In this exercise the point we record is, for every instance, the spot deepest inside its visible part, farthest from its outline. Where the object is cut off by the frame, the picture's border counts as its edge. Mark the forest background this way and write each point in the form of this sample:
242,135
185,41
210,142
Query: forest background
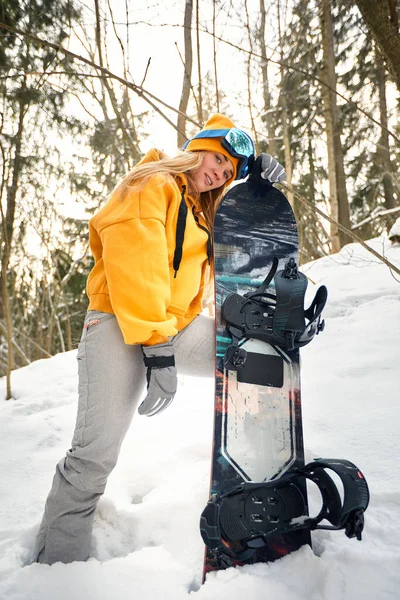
87,87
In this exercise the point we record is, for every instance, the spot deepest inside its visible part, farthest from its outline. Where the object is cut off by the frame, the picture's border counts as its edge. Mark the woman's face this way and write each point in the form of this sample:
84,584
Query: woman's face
215,170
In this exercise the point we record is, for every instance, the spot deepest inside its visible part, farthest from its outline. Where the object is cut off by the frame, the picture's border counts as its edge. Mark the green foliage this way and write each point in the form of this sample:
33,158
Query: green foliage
70,137
357,76
32,107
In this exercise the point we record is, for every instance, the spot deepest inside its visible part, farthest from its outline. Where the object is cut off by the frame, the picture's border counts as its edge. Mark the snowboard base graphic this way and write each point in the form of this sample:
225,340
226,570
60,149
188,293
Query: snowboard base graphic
257,421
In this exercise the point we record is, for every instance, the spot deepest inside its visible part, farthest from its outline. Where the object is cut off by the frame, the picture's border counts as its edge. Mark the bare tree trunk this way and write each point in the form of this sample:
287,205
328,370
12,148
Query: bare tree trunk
8,230
16,171
311,163
384,148
29,342
215,59
249,96
8,318
200,96
187,74
103,102
56,319
50,321
315,244
268,113
40,321
284,117
126,108
337,182
287,150
18,350
68,331
305,241
131,144
381,18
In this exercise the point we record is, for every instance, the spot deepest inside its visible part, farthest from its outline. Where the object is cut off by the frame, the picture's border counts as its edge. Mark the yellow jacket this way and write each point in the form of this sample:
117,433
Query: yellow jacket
133,242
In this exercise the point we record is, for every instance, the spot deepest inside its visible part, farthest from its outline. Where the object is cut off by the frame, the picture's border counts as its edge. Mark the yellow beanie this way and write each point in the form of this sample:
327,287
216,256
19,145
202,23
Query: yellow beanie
213,144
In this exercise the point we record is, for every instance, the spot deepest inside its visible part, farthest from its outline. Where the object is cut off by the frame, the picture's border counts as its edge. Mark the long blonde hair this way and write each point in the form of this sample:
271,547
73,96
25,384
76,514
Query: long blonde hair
183,162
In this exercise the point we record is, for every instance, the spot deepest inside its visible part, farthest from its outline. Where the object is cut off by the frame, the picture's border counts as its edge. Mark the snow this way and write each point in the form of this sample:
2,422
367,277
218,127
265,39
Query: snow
395,230
146,541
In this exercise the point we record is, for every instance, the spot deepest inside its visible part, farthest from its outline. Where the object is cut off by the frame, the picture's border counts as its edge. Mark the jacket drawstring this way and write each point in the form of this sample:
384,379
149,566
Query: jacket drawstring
180,233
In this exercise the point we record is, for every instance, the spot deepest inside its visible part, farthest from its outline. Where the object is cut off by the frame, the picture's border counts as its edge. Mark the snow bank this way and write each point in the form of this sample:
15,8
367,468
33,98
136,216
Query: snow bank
146,541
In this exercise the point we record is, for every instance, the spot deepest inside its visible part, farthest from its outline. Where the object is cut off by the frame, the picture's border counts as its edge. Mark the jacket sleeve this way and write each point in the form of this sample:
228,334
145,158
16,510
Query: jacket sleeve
135,255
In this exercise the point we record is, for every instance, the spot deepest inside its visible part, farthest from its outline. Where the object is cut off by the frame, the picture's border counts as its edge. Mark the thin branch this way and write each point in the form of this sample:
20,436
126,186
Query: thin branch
189,78
376,215
215,58
17,348
35,344
73,266
348,232
118,38
146,71
127,33
200,104
146,94
253,127
72,73
57,320
306,74
142,93
110,90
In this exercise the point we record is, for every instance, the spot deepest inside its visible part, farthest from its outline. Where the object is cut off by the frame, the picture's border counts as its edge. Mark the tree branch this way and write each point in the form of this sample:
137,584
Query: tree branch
141,92
309,76
376,215
348,232
145,94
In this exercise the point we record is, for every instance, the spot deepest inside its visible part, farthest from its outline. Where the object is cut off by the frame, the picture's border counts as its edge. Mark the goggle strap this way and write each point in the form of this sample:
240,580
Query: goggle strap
207,133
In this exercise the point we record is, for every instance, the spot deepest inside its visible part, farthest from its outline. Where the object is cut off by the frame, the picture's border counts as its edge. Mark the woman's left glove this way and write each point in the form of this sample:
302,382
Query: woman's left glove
162,378
271,169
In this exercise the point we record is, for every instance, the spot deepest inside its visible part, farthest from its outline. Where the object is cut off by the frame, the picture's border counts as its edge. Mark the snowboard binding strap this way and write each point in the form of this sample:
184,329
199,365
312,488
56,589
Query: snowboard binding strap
276,318
248,516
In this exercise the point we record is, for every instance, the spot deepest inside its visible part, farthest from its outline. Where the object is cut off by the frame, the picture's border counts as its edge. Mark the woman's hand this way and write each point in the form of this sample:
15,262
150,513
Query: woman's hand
271,169
162,378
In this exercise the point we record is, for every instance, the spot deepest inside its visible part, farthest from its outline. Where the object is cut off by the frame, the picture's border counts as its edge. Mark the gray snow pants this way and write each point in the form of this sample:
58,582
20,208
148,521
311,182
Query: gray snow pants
111,382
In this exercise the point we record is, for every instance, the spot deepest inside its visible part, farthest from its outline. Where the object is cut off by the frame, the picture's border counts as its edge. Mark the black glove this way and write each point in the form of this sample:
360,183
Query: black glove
162,378
268,168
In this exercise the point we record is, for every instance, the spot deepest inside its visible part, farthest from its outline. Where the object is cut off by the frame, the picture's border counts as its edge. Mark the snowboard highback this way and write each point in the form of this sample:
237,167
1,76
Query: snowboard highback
257,427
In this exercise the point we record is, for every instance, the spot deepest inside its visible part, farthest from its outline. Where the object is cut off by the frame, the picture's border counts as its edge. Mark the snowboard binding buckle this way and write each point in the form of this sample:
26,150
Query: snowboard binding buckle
247,517
277,318
234,358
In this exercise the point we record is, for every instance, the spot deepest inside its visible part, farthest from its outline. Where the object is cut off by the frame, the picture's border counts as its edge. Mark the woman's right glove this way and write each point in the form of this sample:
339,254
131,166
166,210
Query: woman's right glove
162,379
271,169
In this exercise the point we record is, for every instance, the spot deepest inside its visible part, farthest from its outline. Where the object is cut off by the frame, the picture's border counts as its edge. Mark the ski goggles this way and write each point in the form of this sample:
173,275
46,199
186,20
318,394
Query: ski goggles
236,142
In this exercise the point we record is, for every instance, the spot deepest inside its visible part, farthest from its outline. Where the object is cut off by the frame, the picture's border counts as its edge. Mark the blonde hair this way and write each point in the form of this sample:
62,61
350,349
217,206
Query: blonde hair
183,162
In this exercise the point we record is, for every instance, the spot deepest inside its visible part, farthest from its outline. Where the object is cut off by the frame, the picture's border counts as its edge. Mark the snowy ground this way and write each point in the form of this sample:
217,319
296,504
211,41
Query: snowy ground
146,541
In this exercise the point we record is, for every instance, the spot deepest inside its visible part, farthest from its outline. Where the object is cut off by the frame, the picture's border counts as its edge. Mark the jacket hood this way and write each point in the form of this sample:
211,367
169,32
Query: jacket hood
152,155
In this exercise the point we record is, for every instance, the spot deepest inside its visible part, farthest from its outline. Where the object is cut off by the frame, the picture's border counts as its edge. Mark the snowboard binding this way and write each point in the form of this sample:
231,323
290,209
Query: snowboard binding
276,318
247,517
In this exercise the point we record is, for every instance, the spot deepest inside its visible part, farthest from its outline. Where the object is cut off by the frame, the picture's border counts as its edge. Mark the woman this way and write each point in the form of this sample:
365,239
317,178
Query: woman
152,246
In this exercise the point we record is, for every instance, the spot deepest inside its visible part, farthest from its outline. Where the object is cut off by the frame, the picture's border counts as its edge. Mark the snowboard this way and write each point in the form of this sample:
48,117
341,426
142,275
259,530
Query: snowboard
257,415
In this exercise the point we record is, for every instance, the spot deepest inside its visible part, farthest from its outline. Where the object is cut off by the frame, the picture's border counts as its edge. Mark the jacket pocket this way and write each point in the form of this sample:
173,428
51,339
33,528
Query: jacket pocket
186,285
